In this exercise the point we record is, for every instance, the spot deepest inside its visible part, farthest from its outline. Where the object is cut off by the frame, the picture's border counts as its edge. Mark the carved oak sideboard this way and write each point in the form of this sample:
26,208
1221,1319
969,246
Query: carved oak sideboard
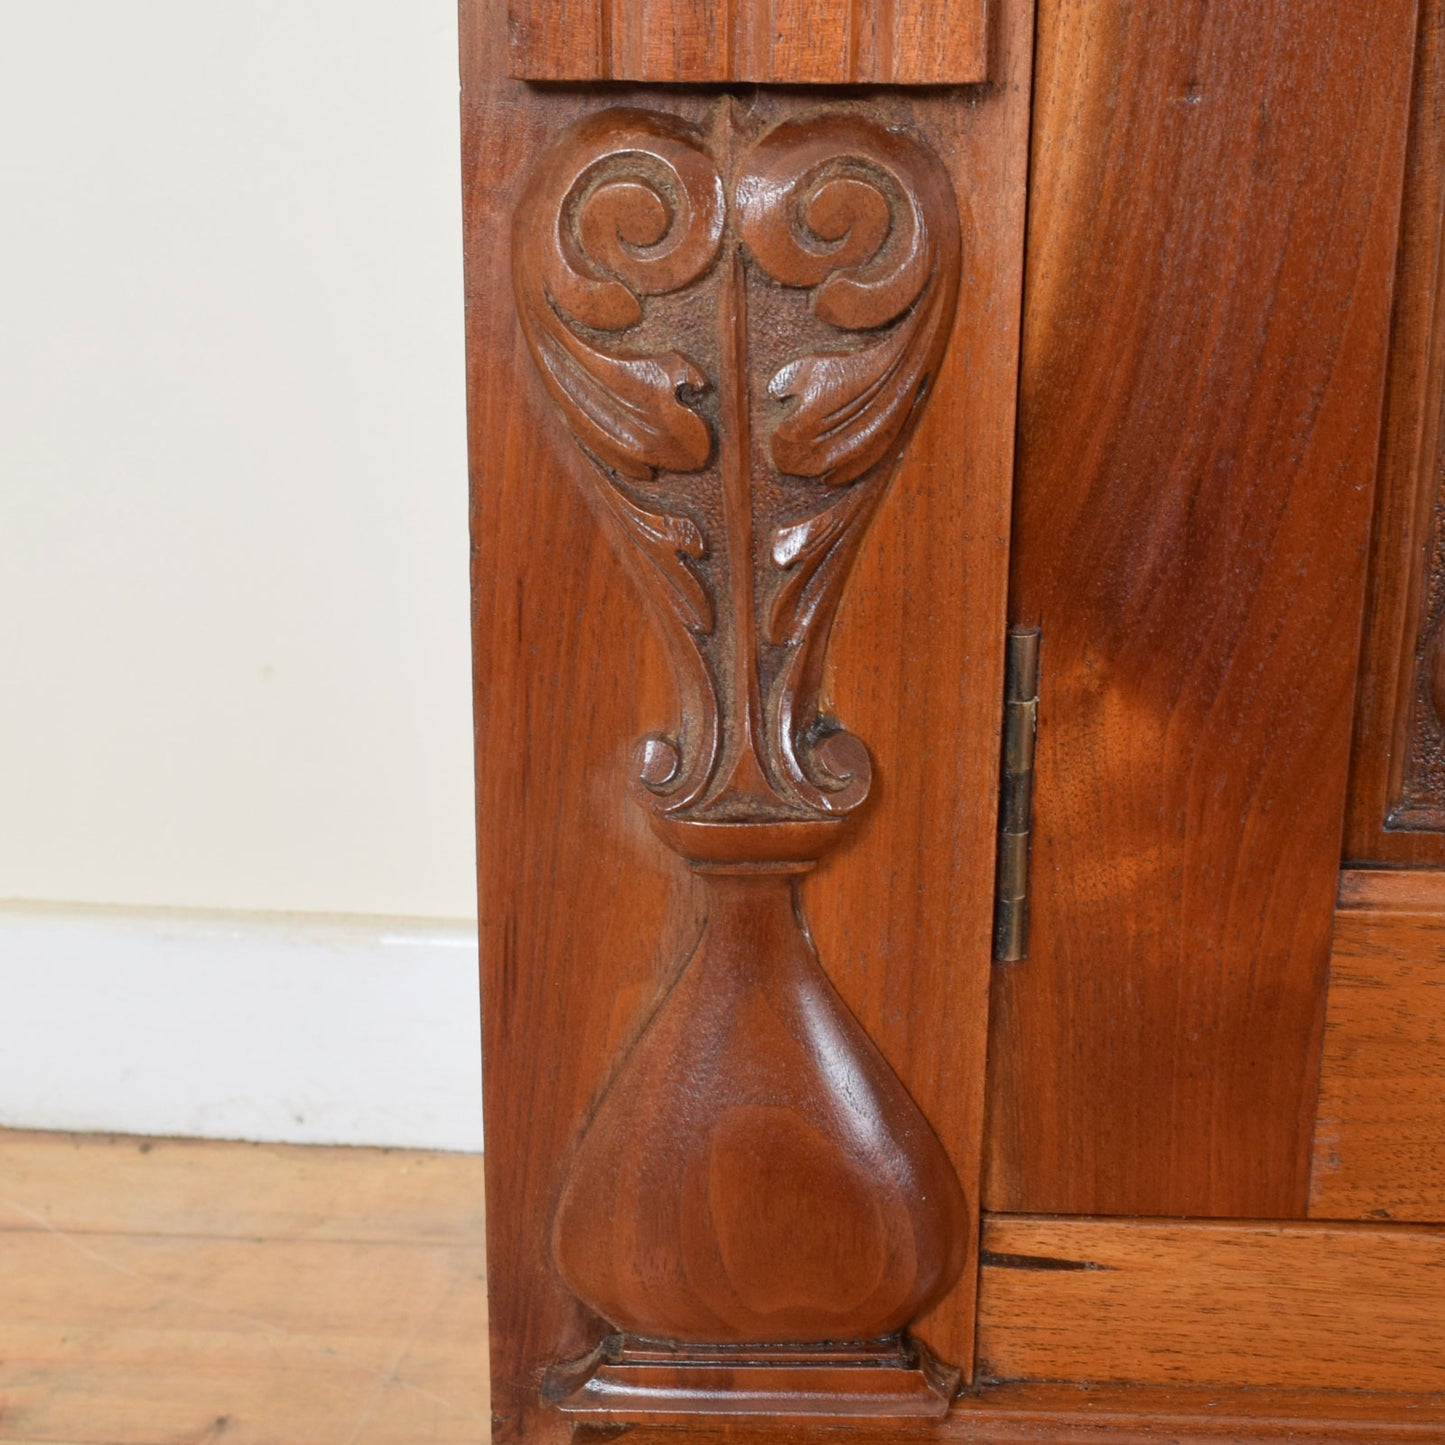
956,515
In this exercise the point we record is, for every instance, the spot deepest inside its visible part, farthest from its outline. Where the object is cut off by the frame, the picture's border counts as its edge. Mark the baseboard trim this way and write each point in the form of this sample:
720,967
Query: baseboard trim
297,1028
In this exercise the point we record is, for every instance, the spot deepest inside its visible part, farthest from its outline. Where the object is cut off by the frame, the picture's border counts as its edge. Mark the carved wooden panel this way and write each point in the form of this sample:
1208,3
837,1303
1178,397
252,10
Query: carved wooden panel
741,330
1207,317
819,42
609,404
1397,777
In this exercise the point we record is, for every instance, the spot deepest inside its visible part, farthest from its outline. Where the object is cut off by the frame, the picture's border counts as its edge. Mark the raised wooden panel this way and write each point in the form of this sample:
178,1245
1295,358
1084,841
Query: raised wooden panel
1397,775
1380,1127
586,917
1213,214
1308,1306
817,42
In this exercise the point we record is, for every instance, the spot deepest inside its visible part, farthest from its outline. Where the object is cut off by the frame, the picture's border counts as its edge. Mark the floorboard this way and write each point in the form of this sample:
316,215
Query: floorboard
158,1292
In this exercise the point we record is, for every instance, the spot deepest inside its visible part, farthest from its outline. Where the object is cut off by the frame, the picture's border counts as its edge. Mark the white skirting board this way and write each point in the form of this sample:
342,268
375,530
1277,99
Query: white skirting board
289,1028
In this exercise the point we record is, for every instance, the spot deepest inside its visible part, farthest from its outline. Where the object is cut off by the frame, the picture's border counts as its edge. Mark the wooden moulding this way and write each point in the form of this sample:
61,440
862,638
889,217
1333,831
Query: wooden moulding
1277,1306
1047,1413
1396,808
817,42
1380,1125
627,1381
666,291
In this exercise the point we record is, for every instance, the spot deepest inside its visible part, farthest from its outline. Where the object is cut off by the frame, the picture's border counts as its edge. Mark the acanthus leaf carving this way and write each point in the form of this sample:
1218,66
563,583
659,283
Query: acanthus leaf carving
631,206
669,542
865,218
625,410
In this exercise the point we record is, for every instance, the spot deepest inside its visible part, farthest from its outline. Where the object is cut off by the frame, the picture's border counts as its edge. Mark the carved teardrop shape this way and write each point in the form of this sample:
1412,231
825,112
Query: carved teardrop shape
756,1172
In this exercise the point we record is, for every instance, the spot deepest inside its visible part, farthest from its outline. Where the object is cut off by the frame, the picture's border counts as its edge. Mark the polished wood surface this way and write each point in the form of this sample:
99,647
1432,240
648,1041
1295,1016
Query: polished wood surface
746,1196
1396,810
1205,1302
776,307
1214,202
789,42
1392,890
586,916
1380,1125
159,1291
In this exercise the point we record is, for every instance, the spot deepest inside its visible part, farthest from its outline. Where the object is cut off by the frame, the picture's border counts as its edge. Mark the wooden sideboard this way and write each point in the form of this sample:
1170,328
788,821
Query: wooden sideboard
959,620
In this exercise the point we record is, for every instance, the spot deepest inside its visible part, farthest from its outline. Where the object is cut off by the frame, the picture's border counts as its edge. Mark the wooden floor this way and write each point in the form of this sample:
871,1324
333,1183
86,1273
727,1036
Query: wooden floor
174,1292
180,1293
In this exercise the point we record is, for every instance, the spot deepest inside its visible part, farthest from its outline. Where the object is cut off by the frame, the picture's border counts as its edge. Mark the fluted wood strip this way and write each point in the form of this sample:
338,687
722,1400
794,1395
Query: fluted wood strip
795,42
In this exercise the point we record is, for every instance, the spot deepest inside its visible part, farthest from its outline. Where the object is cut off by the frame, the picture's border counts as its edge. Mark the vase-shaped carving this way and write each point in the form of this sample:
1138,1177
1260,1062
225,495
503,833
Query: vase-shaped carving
741,332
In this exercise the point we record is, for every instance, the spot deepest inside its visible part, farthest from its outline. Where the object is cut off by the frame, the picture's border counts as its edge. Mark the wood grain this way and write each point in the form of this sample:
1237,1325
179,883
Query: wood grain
584,914
1392,890
1214,204
156,1291
1196,1302
787,42
84,1183
1380,1128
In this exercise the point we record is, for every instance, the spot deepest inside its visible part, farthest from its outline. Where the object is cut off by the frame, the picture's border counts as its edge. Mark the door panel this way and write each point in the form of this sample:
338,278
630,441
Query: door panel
1207,308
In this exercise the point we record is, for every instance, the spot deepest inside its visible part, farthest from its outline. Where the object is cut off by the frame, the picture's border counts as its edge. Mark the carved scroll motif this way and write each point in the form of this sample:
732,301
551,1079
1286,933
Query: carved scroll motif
861,220
864,218
742,348
631,207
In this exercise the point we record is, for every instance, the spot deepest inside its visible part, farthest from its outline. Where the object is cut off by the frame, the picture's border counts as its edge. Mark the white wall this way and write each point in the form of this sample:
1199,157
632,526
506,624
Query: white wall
233,610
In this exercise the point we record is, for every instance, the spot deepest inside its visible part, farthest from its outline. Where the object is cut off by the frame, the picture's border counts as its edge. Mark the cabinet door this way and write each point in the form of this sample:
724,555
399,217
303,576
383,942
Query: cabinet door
1215,1121
1214,214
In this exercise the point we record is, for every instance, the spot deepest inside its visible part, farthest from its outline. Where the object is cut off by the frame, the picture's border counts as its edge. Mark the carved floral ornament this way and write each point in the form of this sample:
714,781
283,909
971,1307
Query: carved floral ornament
742,345
743,350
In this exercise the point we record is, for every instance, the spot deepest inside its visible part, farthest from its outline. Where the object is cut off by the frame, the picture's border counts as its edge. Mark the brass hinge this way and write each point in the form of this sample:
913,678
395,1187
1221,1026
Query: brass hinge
1016,794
